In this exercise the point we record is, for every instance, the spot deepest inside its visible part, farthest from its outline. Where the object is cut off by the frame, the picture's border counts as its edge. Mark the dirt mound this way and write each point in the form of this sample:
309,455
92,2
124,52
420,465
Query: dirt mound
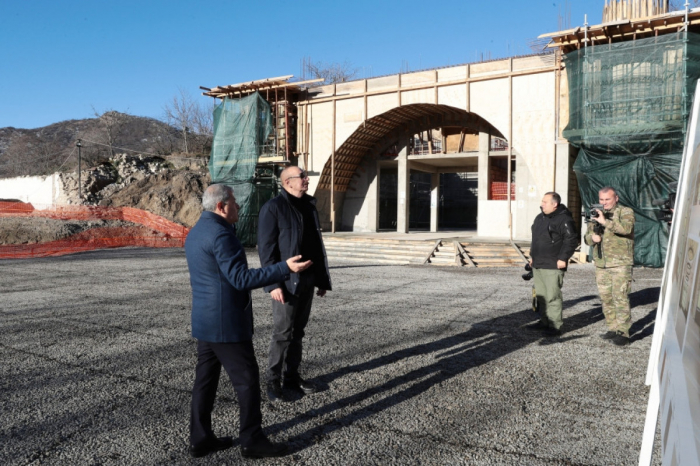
29,230
173,194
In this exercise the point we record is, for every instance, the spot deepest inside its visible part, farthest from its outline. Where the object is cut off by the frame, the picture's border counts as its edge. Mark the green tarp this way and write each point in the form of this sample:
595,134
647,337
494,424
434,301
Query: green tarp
629,106
241,127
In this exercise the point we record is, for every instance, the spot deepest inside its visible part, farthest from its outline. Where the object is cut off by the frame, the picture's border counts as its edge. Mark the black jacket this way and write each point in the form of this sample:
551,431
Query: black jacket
280,233
554,238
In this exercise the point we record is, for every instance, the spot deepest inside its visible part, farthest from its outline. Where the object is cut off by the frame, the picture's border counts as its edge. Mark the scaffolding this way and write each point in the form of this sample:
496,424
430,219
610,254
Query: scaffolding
254,135
628,112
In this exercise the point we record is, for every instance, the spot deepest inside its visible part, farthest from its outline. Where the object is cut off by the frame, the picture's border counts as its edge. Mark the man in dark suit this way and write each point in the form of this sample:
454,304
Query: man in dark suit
288,225
222,323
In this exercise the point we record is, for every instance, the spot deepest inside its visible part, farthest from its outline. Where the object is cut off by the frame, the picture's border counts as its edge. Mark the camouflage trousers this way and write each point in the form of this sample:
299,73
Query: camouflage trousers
614,284
548,283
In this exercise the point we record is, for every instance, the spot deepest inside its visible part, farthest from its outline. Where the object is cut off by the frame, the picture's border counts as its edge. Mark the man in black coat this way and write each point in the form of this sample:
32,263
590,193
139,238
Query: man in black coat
554,240
288,225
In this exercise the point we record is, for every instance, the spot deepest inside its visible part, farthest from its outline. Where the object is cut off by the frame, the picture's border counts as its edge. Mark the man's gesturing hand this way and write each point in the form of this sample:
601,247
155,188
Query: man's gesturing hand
278,295
296,266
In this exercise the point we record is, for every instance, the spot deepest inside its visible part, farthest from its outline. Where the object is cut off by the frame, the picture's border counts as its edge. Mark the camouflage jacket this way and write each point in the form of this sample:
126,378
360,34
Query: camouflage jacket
618,239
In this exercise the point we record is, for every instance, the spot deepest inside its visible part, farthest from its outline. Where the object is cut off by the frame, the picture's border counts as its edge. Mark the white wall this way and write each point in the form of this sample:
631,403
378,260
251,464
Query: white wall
492,219
533,125
37,190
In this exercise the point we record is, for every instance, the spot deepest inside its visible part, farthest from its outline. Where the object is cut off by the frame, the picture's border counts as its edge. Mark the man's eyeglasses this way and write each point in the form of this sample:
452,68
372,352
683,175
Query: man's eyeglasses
302,174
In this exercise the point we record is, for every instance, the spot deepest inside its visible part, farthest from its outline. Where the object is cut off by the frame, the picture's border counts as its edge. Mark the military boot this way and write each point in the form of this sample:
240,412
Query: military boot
620,339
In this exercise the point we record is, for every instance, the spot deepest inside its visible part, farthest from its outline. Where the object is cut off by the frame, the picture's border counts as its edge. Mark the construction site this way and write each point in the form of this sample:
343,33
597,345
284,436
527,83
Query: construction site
427,185
458,158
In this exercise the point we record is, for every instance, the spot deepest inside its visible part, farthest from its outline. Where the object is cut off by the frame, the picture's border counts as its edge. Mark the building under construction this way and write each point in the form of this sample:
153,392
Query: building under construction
474,147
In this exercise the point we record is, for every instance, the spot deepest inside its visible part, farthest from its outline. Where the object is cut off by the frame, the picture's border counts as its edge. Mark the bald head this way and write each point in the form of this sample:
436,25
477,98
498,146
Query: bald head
287,172
295,181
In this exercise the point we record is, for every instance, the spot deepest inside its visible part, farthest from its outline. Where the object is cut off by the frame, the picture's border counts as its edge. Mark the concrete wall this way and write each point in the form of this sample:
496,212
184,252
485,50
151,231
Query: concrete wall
37,190
533,116
360,206
492,220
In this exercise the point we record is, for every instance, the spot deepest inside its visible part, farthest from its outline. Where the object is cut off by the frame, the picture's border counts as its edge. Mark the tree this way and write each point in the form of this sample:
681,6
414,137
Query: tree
113,124
192,119
331,73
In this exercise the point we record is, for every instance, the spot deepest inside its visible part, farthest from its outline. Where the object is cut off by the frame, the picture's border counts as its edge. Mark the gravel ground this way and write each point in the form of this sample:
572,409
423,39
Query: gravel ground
417,364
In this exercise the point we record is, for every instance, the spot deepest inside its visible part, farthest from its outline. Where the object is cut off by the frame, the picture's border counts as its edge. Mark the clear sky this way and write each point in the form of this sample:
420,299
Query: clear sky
59,59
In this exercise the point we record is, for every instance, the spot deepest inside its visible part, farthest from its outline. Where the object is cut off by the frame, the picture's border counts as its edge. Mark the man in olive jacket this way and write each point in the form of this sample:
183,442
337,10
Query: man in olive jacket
554,241
613,271
289,225
222,323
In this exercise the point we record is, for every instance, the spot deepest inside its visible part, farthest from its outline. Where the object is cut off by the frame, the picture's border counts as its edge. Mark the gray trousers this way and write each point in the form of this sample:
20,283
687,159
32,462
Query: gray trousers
288,323
548,283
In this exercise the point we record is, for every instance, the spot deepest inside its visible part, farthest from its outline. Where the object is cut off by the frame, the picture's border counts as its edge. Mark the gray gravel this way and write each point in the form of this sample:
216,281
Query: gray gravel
418,365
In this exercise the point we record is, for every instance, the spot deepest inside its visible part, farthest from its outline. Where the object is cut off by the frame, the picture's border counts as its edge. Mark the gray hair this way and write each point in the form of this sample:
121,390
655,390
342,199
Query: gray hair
214,194
555,196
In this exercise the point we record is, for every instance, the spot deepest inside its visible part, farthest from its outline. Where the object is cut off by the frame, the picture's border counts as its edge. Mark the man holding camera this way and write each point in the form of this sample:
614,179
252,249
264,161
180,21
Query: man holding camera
613,256
554,241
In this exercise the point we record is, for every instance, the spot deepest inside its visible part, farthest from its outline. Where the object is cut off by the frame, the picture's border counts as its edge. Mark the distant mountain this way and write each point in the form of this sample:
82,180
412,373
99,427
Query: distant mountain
42,151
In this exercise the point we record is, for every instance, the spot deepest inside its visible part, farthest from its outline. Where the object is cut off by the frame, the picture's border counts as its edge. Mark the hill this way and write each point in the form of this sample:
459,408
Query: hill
52,148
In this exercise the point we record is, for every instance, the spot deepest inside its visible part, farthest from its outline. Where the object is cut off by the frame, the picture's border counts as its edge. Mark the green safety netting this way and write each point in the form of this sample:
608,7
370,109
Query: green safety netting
629,105
241,127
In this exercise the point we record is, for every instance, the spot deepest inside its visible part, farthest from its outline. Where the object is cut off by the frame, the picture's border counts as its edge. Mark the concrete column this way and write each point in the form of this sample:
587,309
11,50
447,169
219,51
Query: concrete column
483,184
434,200
402,197
373,198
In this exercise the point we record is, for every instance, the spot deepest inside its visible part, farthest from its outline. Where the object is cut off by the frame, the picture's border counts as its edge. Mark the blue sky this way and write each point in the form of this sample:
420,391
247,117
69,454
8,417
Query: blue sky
59,59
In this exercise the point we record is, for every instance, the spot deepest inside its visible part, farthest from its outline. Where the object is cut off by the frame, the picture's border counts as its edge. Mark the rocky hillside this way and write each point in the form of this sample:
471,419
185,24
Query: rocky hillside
42,151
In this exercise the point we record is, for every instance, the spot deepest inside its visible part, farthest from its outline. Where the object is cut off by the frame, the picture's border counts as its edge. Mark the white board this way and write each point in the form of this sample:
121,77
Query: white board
674,362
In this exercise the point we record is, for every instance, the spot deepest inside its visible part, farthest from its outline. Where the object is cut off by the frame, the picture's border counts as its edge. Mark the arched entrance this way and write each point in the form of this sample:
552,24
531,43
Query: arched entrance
423,147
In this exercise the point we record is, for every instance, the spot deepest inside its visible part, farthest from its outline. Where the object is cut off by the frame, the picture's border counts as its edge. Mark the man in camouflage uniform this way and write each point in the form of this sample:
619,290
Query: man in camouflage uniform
613,253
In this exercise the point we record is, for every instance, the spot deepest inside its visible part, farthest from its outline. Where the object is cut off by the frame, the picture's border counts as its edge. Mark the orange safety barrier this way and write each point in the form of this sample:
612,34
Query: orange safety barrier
170,234
499,191
15,207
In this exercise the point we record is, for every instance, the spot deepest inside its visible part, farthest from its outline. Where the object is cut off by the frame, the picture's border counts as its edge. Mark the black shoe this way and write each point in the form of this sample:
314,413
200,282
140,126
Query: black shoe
210,447
609,335
297,383
621,340
274,391
264,449
553,332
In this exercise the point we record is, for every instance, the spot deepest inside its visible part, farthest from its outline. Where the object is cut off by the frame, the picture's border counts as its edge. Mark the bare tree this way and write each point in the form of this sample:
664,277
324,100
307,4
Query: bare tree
192,119
330,72
49,152
32,154
113,123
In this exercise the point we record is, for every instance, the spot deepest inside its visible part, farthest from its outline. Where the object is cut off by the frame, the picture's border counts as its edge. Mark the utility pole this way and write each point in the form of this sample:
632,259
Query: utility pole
185,133
80,189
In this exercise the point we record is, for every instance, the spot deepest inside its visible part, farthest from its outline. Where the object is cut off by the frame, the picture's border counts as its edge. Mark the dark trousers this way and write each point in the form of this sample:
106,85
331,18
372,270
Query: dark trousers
239,362
288,323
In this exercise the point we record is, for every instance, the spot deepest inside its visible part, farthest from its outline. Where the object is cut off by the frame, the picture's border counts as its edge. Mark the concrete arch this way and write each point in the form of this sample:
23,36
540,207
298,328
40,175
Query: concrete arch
375,134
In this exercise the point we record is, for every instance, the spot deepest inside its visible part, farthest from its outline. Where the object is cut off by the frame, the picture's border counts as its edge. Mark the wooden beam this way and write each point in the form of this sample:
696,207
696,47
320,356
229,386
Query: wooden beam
506,74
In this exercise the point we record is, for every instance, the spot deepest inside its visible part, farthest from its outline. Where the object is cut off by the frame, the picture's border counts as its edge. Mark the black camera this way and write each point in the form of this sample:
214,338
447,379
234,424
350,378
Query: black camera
598,229
667,204
592,212
528,276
